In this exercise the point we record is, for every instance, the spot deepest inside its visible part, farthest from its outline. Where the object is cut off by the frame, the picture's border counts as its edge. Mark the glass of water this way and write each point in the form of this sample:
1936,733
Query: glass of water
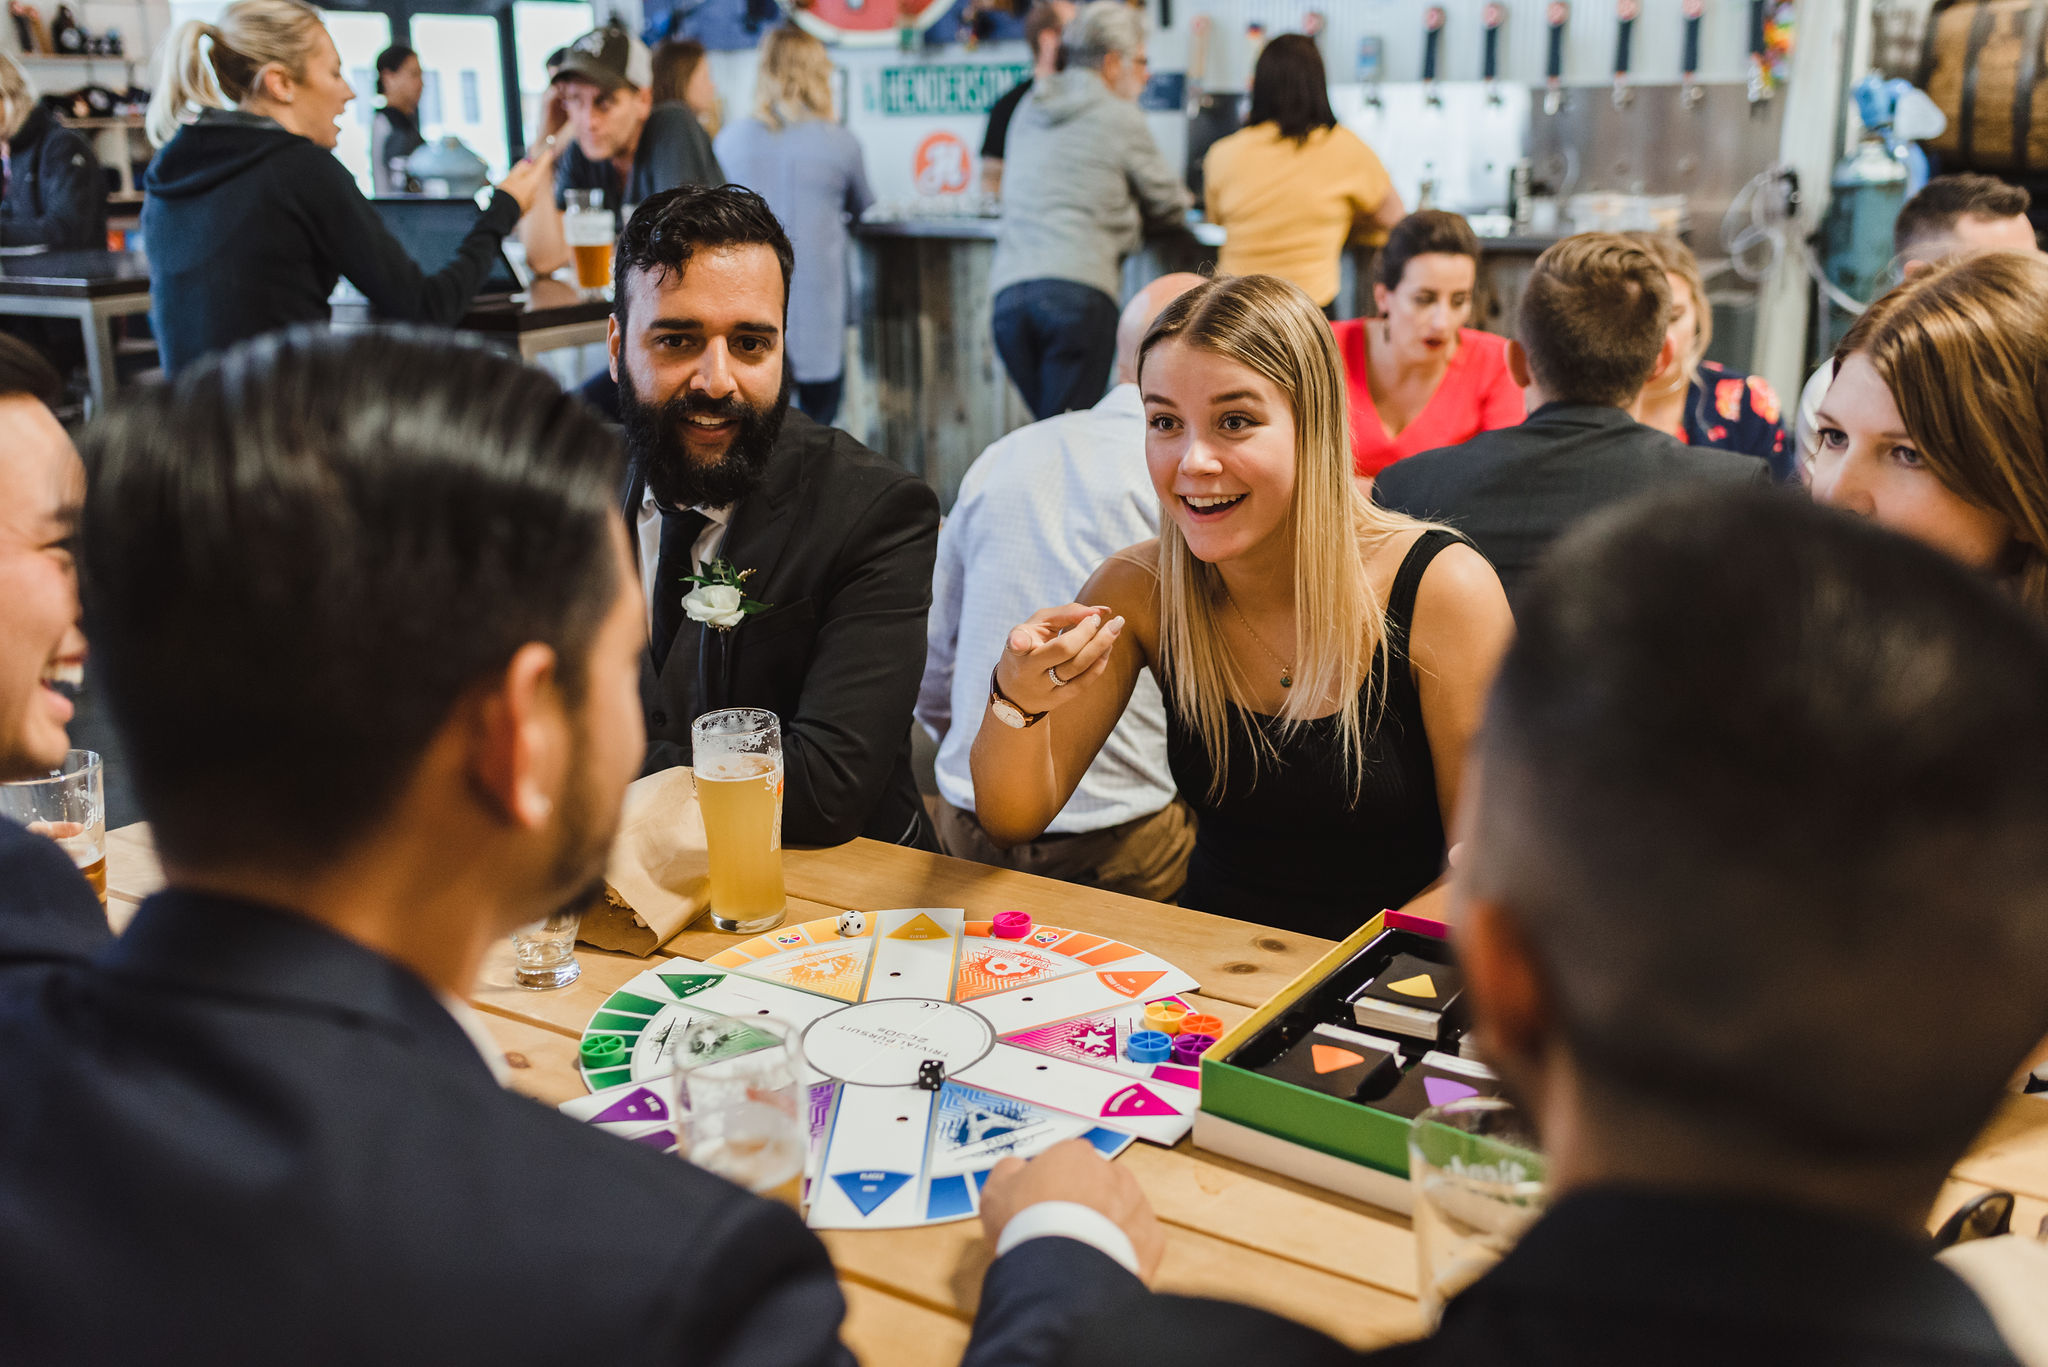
544,953
737,1105
1478,1180
69,806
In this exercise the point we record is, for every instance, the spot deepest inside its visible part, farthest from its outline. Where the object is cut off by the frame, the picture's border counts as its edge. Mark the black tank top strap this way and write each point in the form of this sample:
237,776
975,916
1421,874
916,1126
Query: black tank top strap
1408,582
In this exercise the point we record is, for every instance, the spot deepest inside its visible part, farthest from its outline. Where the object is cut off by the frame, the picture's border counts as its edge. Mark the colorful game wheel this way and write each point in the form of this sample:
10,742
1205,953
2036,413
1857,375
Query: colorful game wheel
934,1049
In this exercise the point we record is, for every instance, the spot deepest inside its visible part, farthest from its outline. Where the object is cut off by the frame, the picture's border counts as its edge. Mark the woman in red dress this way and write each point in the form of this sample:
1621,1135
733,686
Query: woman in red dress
1418,377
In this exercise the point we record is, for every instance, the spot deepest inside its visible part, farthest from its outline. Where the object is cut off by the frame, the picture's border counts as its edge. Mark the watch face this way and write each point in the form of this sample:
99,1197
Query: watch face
1008,713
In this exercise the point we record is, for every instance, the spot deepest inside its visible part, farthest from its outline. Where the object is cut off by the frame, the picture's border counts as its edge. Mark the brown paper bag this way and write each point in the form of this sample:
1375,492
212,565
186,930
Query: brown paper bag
657,879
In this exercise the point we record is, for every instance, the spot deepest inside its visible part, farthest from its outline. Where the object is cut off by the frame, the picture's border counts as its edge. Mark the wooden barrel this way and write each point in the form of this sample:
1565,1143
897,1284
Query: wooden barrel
1983,64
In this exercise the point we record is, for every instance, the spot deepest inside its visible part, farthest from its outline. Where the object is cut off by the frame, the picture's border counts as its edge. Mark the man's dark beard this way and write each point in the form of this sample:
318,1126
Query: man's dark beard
655,443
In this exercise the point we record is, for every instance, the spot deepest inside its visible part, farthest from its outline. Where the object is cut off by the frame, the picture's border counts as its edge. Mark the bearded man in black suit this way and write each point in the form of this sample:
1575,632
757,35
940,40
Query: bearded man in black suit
825,549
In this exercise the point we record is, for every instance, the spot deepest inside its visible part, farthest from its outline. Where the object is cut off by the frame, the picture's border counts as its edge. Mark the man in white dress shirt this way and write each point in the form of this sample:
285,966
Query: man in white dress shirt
1036,514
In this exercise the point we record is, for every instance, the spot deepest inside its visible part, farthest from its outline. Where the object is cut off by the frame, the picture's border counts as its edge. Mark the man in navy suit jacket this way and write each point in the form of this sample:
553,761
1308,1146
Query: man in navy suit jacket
373,638
1592,330
47,912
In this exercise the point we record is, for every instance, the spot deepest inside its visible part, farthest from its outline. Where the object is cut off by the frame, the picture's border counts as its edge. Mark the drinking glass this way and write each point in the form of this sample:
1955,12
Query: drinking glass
545,952
587,228
1478,1180
737,1105
70,807
737,756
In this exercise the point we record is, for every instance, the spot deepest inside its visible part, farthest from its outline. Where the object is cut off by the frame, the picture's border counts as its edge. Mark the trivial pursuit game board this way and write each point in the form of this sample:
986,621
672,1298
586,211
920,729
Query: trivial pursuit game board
1029,1026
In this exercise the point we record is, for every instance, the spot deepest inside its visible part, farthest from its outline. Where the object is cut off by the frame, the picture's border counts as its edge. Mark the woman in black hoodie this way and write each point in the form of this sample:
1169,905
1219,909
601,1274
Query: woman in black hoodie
250,220
55,196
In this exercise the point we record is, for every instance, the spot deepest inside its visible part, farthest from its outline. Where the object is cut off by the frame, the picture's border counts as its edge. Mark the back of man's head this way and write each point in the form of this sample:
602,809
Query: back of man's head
1593,319
1766,790
1136,319
1102,27
301,555
25,374
1926,229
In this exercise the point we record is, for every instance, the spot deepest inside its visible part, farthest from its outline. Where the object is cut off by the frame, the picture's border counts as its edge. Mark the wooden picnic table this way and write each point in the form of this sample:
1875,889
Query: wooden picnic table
1233,1231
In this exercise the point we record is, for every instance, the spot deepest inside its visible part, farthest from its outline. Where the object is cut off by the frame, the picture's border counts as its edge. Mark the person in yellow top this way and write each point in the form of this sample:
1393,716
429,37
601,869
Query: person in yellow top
1293,186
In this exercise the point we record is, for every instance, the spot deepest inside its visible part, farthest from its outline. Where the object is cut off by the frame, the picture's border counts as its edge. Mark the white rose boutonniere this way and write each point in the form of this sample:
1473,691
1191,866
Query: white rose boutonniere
720,597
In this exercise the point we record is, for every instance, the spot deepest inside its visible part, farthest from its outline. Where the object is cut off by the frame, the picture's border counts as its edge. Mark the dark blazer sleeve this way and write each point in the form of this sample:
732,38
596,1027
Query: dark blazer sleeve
1037,1296
776,1300
1195,1333
74,199
840,748
48,913
355,240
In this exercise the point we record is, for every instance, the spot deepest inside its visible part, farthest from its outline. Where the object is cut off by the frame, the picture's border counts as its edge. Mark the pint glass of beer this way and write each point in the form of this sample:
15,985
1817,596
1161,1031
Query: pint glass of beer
737,754
70,807
587,228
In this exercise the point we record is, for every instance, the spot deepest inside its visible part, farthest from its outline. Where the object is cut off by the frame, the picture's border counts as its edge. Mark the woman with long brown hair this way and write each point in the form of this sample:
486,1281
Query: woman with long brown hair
1936,424
683,76
1323,661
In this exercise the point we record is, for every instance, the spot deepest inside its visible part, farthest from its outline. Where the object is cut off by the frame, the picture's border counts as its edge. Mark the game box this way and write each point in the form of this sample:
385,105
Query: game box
1260,1107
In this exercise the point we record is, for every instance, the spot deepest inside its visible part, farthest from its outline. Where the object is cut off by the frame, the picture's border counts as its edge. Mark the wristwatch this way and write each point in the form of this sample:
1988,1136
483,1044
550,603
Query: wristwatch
1007,712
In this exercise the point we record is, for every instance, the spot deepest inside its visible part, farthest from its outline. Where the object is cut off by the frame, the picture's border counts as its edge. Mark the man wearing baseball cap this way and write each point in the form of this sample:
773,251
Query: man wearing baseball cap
620,142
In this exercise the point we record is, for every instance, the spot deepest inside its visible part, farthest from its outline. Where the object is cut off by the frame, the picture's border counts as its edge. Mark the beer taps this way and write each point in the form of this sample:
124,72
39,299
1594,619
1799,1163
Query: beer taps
1557,16
1689,80
1759,52
1490,19
1432,43
1626,13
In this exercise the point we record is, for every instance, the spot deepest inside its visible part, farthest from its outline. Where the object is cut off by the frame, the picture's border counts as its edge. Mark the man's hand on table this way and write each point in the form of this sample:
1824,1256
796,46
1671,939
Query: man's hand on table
1040,1198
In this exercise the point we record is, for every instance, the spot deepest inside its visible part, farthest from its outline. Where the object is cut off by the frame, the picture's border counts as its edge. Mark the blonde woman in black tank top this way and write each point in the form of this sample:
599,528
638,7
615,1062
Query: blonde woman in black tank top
1320,700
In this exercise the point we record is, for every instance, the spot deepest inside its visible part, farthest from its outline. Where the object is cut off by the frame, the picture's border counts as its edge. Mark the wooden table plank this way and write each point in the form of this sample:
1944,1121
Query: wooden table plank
2012,1152
888,1331
542,1061
1232,1230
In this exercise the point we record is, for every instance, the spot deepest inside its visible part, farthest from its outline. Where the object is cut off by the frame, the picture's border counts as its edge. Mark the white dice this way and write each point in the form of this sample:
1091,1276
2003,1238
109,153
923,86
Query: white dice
852,923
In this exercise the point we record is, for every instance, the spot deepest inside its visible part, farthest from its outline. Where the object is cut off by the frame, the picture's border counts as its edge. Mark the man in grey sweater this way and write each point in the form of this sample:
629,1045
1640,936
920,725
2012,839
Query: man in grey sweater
1082,182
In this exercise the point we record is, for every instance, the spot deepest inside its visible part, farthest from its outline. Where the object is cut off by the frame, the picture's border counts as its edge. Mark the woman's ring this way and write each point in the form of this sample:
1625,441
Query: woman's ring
1054,675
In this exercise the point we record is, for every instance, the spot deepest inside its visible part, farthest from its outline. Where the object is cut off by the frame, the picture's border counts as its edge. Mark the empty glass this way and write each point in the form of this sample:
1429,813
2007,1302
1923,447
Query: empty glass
544,953
70,807
1478,1180
737,1105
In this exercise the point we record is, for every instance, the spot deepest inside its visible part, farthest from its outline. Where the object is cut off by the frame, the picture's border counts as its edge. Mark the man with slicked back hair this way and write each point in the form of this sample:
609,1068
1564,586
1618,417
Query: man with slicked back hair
373,637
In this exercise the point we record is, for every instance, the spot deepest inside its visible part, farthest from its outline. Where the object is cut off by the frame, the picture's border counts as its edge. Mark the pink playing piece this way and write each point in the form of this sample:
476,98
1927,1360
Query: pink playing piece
1011,925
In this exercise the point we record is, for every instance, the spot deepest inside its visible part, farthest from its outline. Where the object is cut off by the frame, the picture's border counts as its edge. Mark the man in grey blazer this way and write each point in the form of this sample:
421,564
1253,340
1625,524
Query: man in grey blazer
1592,330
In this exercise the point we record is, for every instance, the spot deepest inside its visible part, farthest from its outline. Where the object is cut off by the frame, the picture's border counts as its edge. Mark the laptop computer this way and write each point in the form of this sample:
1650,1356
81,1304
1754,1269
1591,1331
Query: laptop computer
432,230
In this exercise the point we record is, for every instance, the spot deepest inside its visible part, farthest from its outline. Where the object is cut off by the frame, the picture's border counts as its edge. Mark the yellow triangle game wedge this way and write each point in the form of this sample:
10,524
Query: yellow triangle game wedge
920,927
1417,986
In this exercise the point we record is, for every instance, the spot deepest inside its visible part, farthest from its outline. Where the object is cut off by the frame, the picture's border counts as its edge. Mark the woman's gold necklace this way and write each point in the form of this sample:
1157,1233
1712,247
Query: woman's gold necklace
1286,670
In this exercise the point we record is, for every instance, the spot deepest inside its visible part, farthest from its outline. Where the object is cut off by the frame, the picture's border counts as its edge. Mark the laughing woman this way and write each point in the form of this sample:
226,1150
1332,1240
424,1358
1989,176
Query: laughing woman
1323,661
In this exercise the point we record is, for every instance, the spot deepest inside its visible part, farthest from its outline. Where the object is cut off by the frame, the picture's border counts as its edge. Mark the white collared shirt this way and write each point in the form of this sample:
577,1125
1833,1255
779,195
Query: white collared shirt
647,531
1037,514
